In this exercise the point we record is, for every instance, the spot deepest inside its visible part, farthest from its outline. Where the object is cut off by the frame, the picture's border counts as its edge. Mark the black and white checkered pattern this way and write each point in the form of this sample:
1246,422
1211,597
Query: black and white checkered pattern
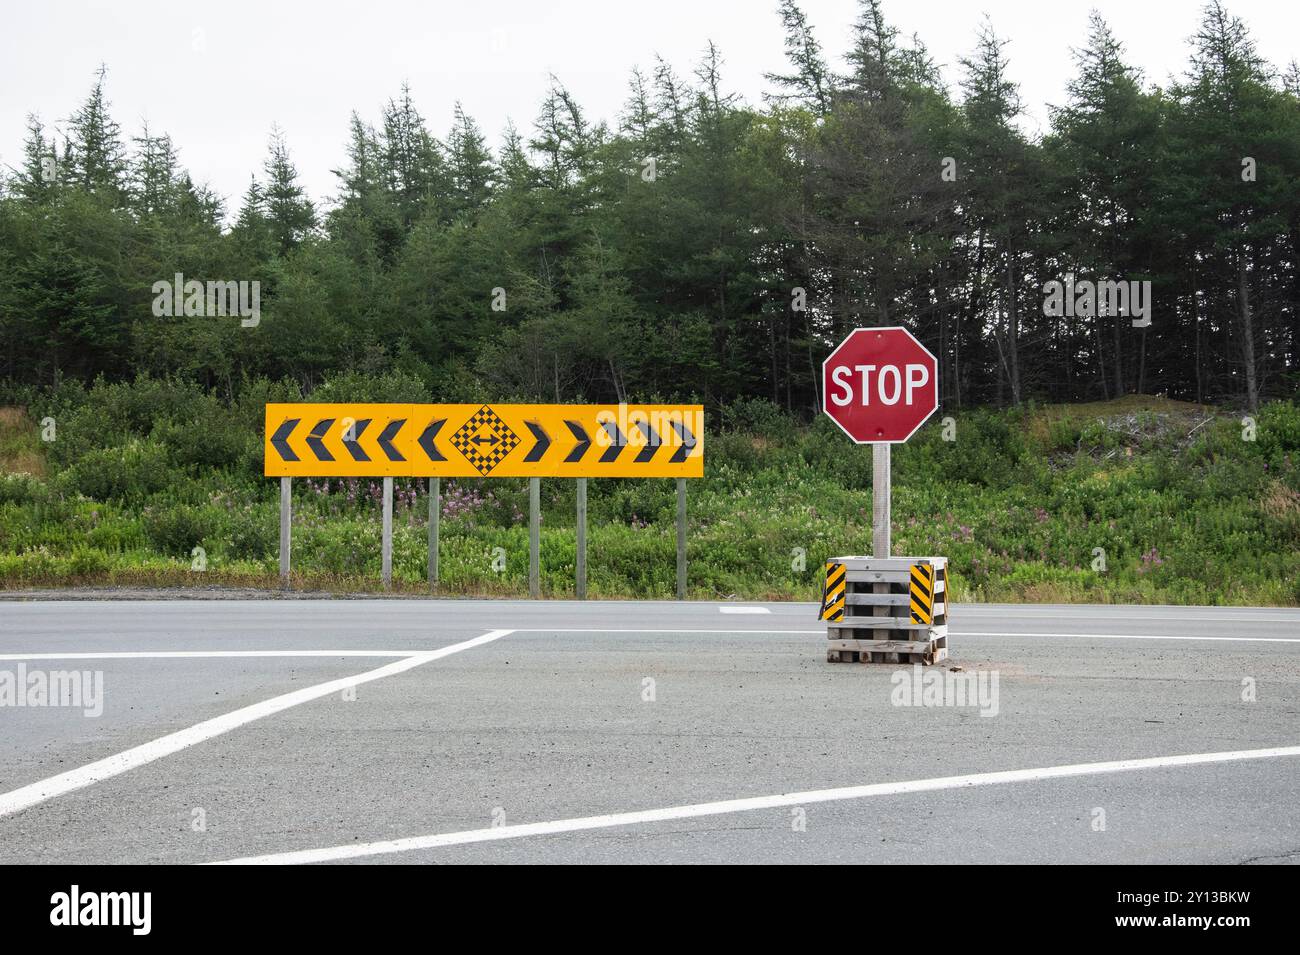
484,424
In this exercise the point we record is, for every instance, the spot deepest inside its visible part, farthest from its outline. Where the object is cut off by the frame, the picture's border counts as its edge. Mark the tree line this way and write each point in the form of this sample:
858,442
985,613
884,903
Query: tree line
699,246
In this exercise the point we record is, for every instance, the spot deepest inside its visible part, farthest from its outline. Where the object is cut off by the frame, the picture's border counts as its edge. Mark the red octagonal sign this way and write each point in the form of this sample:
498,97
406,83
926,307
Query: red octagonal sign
880,385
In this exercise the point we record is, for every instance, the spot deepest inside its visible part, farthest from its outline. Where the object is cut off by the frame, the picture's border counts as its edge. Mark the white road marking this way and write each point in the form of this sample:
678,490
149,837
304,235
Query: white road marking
1124,613
744,610
1123,636
204,654
38,792
954,633
402,654
821,632
613,820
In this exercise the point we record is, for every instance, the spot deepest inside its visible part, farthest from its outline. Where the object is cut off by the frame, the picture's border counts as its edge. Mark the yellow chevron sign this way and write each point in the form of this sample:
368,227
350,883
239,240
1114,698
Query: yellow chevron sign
921,593
418,440
833,592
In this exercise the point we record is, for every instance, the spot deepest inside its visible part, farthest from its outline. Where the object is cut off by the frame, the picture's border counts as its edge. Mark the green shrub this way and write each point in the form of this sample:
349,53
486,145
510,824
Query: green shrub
20,488
130,473
177,529
209,437
87,562
252,533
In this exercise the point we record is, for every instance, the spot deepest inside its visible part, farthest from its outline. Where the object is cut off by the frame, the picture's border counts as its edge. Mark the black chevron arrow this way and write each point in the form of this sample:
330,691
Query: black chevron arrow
617,442
652,442
354,448
584,442
280,440
316,444
688,442
385,439
426,440
543,441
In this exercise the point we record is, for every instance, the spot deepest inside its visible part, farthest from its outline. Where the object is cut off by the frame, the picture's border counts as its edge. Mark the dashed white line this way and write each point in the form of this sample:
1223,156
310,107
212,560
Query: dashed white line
744,610
612,820
46,789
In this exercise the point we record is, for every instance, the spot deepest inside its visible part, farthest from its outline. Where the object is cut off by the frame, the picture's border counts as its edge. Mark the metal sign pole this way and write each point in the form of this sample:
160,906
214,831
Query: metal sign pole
880,490
286,525
534,537
387,559
435,511
880,543
681,538
581,587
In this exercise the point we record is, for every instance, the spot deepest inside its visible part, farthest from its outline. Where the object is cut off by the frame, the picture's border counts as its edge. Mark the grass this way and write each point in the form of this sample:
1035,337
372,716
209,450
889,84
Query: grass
20,444
1140,500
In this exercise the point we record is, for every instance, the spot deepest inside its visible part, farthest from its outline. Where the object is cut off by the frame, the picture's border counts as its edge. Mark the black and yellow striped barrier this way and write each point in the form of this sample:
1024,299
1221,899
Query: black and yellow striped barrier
921,591
833,592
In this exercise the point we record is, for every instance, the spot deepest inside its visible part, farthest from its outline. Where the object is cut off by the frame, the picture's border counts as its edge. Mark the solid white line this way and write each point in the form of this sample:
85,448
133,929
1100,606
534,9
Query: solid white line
402,654
951,633
821,632
612,820
1123,636
1123,614
100,770
744,610
204,654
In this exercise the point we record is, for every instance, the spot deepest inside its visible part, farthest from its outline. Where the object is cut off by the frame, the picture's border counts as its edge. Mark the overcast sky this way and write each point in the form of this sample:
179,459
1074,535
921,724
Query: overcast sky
216,76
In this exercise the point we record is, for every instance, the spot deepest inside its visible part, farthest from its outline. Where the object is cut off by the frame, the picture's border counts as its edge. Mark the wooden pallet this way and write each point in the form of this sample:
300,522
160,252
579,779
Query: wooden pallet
924,652
877,626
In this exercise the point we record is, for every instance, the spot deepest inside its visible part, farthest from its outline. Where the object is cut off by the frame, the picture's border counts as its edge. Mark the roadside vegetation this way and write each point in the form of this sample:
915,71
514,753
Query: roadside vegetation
1133,500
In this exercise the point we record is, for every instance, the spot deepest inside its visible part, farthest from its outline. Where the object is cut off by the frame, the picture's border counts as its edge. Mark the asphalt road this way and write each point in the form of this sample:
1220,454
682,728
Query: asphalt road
568,732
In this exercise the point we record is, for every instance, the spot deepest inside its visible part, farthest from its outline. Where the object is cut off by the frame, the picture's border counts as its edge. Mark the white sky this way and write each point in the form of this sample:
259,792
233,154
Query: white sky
217,75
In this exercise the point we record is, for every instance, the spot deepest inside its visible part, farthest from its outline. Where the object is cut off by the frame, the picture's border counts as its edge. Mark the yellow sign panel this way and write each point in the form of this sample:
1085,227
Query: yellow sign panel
921,590
833,592
415,440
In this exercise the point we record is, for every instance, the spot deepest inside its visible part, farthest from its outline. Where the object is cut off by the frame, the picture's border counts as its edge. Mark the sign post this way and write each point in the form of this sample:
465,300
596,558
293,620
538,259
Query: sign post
881,492
534,537
880,385
580,570
435,512
681,538
286,524
386,558
434,441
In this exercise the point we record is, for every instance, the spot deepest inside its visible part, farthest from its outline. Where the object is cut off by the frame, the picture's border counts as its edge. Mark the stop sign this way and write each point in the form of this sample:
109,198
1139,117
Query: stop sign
880,385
